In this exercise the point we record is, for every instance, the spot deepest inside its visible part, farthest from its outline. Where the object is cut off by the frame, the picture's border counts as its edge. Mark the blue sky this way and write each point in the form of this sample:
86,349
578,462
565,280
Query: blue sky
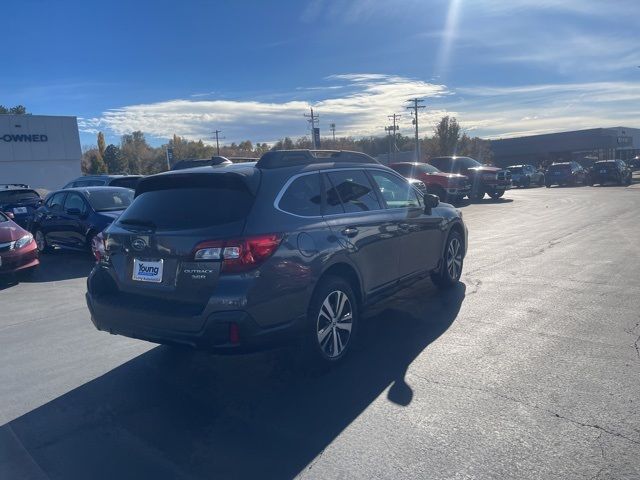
253,68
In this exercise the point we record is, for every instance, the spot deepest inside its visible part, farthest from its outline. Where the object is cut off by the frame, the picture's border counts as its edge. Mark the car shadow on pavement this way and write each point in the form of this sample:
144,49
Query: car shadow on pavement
60,265
173,413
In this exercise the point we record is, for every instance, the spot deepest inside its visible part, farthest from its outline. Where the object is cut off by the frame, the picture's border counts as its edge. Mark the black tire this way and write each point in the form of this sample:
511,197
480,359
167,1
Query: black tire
476,196
41,242
332,322
496,194
526,183
548,185
541,182
451,263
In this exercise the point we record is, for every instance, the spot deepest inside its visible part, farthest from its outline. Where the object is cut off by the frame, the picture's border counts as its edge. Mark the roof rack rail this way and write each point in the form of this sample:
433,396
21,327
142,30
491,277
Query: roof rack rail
9,185
290,158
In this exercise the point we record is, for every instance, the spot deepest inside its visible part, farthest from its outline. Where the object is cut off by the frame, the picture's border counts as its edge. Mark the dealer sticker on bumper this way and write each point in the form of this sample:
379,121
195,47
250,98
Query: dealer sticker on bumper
147,270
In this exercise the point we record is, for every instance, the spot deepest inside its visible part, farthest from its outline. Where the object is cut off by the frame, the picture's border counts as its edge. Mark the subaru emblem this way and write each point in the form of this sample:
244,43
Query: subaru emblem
138,244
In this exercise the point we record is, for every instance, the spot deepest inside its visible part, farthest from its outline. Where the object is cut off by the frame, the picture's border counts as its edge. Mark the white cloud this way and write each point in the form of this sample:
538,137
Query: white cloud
361,107
360,110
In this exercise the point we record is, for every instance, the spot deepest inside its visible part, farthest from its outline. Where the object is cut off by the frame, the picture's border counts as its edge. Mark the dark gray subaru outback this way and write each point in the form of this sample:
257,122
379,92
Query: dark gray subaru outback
290,248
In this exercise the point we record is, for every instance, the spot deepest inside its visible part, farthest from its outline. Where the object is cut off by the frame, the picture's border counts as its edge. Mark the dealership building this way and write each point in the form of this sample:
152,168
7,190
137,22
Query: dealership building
41,151
583,146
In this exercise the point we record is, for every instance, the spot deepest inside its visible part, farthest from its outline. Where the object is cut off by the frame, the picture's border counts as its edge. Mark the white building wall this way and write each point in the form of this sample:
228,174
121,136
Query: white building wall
42,162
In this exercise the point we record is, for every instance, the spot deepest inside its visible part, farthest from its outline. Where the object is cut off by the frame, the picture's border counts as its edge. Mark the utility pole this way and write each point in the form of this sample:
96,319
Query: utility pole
395,127
332,127
313,119
217,132
389,129
415,107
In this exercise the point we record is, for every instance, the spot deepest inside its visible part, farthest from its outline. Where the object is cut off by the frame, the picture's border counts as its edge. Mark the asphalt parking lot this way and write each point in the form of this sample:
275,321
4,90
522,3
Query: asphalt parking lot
529,369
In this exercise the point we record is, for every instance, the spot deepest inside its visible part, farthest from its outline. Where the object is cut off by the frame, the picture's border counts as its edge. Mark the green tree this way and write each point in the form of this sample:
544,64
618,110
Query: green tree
101,144
113,159
447,135
17,110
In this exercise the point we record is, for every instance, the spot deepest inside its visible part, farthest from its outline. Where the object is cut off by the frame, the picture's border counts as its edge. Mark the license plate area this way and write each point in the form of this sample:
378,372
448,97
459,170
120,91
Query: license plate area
20,210
149,271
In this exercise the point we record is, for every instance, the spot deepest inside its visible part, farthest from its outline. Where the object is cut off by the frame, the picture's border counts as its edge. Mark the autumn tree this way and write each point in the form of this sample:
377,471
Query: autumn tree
101,144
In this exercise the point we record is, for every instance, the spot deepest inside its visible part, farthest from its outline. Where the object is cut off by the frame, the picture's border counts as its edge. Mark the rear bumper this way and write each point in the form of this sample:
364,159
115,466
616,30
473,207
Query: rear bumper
214,328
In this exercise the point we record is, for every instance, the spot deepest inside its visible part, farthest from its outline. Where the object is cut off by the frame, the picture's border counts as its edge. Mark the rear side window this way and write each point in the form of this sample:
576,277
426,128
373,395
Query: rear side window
188,208
353,189
303,196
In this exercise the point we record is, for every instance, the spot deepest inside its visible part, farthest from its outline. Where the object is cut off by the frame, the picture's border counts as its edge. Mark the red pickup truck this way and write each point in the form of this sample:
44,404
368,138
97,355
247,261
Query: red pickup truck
484,178
450,187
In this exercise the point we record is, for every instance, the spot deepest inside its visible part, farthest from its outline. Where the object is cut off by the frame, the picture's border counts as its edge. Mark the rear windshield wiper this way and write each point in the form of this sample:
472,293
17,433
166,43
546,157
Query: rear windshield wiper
137,222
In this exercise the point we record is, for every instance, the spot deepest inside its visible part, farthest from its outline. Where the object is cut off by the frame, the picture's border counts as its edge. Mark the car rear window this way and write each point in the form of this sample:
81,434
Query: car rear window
109,199
303,196
188,208
11,196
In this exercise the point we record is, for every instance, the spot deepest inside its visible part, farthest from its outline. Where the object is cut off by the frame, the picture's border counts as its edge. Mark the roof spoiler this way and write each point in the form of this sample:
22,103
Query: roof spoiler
290,158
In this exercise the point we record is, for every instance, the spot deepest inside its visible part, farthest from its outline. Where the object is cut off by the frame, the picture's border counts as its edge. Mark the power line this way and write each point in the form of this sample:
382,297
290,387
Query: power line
313,119
415,107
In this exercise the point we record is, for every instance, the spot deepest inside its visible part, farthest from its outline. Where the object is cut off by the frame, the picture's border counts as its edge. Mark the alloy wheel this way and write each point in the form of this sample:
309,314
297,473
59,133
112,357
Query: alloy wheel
454,258
334,324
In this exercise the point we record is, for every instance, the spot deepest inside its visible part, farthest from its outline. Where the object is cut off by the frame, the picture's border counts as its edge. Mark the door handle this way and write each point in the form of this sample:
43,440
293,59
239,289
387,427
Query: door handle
350,232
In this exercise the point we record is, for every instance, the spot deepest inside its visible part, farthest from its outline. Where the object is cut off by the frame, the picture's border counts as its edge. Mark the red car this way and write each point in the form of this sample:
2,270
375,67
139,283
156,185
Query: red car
450,187
18,250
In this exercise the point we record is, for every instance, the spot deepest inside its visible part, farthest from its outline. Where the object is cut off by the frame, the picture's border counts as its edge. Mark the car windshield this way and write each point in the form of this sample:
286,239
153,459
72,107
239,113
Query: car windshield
466,162
3,218
15,196
105,200
515,169
426,168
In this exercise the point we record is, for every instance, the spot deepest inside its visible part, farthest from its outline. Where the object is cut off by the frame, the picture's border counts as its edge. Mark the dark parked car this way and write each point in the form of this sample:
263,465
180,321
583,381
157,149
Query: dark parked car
484,179
615,171
125,181
250,255
71,218
450,187
18,252
566,173
525,175
20,200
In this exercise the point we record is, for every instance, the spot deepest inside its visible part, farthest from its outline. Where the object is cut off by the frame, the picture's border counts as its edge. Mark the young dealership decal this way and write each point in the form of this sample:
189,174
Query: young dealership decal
10,137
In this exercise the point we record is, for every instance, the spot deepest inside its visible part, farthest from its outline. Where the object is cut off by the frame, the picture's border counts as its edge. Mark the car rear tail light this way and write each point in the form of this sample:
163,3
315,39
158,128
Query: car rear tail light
241,254
234,333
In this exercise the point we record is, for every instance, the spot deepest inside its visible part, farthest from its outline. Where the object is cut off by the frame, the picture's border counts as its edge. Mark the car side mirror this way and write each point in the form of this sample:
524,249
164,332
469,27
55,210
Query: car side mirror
10,215
430,201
